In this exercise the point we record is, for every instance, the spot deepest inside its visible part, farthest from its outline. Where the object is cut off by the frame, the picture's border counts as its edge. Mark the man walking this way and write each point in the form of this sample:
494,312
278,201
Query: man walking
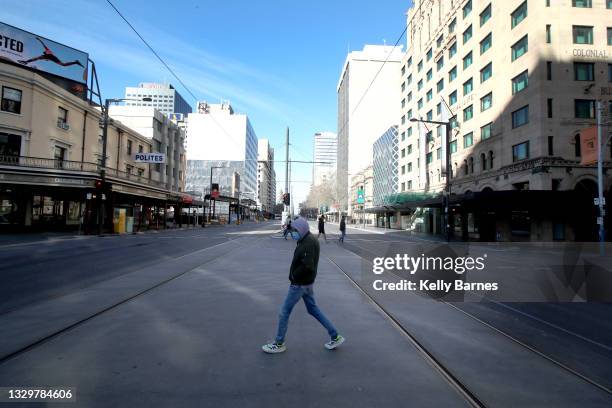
342,229
302,274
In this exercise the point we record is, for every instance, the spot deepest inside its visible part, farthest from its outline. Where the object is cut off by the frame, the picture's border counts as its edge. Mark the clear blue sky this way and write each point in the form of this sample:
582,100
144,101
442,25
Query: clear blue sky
277,61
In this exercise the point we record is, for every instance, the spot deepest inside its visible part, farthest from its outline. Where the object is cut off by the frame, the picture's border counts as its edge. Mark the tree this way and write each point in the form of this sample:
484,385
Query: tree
322,195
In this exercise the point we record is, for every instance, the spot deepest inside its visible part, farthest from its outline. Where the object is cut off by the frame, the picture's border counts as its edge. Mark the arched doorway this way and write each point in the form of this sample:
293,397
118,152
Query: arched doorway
585,212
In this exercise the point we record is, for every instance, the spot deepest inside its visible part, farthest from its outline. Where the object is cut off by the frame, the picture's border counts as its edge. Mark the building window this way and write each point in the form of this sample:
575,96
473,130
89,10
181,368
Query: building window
129,147
452,26
403,136
440,85
439,40
129,168
429,158
59,155
403,152
577,151
429,75
467,60
520,151
409,149
409,80
409,97
420,66
550,146
471,165
467,34
430,115
490,159
452,74
140,172
429,95
468,86
582,34
403,70
403,119
486,131
609,31
549,70
485,15
452,50
409,167
440,64
467,9
409,132
403,169
486,72
140,148
403,186
468,140
610,72
403,86
62,117
486,43
409,184
549,107
486,102
519,48
420,85
520,117
609,4
429,54
483,161
519,14
452,98
409,114
584,108
409,63
453,146
582,3
11,100
468,113
420,104
403,103
584,71
520,82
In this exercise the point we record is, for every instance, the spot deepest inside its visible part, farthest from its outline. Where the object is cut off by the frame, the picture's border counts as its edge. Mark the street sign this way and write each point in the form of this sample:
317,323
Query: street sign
150,158
360,197
596,201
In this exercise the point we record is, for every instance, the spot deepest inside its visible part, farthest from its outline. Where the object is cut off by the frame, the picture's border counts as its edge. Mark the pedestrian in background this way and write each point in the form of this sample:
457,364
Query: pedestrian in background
342,229
322,228
302,274
287,228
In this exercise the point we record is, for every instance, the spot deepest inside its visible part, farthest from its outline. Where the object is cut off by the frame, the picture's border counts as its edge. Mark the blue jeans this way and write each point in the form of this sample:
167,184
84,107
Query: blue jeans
342,235
297,292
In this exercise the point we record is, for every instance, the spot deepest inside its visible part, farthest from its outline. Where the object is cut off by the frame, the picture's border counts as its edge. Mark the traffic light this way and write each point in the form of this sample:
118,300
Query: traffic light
286,199
99,184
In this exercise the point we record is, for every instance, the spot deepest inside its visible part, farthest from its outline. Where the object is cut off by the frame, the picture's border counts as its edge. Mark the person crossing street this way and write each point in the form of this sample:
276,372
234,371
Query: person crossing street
302,275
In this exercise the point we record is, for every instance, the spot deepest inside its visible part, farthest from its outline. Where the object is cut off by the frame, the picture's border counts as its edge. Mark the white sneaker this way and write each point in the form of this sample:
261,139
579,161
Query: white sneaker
273,348
332,344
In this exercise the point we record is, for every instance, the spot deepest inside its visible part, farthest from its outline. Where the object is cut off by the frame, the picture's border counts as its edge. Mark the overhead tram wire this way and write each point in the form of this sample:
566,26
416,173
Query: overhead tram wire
195,98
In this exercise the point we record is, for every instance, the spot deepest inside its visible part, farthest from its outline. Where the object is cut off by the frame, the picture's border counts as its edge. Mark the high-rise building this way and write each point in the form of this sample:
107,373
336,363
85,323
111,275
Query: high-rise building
325,153
367,107
164,98
220,138
266,176
522,79
385,166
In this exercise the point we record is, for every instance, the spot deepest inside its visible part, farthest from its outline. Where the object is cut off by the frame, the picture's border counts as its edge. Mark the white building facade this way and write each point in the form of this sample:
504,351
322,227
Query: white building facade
164,97
325,152
219,137
366,108
167,138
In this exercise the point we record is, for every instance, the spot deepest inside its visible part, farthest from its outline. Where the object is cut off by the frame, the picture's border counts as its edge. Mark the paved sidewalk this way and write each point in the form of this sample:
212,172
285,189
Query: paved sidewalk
195,342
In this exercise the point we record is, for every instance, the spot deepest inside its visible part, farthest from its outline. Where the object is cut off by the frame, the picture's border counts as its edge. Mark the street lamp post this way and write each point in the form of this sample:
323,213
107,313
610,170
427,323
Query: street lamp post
107,103
447,195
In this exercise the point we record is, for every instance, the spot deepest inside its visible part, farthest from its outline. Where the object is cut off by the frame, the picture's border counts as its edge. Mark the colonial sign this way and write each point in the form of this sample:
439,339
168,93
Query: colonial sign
589,53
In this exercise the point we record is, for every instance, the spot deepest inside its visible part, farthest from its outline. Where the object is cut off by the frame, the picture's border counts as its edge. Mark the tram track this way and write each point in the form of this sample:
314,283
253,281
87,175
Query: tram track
55,333
444,371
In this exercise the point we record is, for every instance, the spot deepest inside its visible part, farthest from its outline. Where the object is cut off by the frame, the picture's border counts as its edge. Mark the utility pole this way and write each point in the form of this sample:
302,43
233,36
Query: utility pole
287,167
600,199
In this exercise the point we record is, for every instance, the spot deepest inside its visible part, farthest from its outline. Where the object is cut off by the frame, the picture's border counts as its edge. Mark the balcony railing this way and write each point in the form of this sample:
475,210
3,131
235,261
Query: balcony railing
68,165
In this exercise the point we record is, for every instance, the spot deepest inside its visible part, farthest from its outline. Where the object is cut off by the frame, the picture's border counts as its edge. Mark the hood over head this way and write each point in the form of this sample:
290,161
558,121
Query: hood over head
301,226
